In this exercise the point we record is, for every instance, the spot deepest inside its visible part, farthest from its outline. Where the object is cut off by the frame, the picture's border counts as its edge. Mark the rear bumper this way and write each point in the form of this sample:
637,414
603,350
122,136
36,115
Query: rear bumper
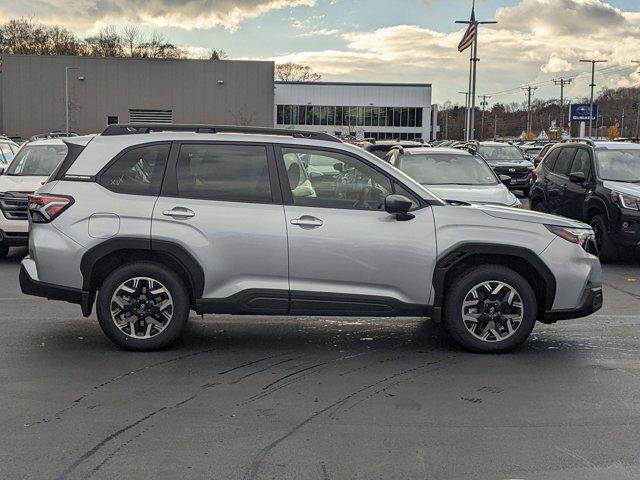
14,239
36,288
590,302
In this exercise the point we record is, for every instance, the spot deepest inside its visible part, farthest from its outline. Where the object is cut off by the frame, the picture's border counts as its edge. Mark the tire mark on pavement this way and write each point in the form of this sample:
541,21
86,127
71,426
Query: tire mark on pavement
262,454
252,363
57,415
239,379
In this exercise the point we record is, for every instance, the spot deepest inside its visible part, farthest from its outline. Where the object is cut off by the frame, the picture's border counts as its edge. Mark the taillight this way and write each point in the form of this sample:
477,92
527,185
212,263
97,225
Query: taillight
43,208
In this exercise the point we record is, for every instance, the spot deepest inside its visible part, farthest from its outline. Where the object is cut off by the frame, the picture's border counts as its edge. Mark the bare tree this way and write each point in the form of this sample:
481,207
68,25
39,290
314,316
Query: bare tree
107,43
296,72
131,39
24,36
158,47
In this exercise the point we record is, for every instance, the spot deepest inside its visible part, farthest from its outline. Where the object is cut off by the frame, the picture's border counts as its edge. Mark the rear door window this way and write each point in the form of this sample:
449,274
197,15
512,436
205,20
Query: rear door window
563,163
549,160
233,173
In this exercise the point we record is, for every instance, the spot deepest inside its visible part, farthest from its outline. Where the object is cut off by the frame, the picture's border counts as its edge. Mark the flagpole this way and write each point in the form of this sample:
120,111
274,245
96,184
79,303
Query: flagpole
467,118
470,118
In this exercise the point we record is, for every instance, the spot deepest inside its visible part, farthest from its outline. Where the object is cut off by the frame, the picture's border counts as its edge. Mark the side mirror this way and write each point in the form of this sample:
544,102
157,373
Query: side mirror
338,167
506,179
577,177
398,205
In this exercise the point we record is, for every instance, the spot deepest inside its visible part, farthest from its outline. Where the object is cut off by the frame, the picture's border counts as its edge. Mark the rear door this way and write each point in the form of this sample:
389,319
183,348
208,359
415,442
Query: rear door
222,203
558,182
346,254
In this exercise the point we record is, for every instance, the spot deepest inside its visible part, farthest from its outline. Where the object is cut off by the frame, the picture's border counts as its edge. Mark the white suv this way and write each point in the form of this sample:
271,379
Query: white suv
159,220
28,170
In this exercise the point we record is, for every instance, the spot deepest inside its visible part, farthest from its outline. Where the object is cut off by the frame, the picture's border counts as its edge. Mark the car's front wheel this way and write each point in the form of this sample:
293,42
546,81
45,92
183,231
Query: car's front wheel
607,250
490,309
143,306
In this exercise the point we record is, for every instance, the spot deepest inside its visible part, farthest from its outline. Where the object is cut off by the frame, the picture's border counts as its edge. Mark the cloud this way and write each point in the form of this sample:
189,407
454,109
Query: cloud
556,64
533,41
188,14
322,32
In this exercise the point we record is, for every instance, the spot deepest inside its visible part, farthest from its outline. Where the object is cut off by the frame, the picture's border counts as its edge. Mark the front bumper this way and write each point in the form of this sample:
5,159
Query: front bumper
591,302
36,288
625,230
14,239
519,183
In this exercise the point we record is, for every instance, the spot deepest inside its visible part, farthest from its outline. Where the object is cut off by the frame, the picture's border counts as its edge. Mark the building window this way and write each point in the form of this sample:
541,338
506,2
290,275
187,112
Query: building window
412,117
367,116
287,115
323,115
309,115
418,117
316,115
139,115
280,115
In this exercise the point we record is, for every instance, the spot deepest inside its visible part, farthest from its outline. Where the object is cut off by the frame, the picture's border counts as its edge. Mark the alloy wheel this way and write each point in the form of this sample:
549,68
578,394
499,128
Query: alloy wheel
141,307
492,311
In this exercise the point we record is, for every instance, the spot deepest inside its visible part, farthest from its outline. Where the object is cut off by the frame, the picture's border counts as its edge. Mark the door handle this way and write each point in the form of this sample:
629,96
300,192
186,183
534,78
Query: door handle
307,221
179,212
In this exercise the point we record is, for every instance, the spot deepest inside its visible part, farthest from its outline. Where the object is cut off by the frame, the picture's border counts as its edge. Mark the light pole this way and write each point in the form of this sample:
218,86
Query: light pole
484,103
593,84
66,96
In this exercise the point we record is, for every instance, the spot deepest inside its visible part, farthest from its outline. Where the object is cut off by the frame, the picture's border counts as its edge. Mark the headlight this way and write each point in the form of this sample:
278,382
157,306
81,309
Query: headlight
581,236
625,201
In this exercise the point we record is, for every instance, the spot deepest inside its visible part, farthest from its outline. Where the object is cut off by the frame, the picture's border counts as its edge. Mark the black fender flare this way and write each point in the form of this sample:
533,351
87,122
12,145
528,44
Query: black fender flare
453,257
596,201
191,267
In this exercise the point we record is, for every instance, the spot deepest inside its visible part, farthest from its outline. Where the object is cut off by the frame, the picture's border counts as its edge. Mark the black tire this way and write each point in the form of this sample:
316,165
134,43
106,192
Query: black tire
169,280
538,206
526,191
461,287
607,250
4,251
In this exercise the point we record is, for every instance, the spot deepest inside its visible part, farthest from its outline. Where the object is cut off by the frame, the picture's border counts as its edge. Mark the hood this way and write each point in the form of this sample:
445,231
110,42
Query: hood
510,163
530,216
10,183
495,194
623,187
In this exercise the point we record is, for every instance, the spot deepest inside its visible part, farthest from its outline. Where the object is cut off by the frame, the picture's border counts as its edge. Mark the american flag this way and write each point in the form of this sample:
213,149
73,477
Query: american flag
470,35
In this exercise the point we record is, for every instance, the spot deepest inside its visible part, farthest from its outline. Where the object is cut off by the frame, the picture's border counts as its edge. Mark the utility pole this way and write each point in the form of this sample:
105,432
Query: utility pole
472,74
622,124
483,104
529,91
495,126
562,82
637,105
592,84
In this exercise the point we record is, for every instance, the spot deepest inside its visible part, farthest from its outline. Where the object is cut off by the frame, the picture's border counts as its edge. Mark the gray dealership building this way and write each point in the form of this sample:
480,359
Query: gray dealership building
108,90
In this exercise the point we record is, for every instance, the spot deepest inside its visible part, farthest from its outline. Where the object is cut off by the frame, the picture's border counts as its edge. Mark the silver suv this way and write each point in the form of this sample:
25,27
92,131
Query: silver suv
159,220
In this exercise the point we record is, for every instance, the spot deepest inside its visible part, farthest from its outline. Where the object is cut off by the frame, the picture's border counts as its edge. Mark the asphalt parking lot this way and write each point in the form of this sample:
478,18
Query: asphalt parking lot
318,398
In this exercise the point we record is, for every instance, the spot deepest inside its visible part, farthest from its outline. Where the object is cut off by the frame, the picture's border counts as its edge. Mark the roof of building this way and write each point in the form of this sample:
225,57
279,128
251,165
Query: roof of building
356,84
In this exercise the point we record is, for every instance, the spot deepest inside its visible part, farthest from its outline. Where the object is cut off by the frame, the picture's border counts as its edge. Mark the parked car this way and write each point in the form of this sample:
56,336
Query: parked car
8,149
507,159
381,147
531,152
454,175
157,221
595,182
31,166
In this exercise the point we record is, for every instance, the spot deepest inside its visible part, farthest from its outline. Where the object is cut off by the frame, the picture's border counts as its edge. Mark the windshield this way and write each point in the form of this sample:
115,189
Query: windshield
619,165
441,169
38,160
500,152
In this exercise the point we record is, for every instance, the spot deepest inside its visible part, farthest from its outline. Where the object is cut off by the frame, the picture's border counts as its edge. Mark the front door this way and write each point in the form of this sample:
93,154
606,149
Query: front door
222,203
576,193
346,254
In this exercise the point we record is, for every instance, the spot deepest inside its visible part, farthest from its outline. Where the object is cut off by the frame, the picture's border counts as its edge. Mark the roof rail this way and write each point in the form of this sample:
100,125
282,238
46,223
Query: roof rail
139,128
588,141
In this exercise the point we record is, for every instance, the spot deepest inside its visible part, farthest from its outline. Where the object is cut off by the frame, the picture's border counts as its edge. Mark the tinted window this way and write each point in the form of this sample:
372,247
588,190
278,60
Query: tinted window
619,165
549,160
233,173
564,161
333,180
138,171
37,160
581,163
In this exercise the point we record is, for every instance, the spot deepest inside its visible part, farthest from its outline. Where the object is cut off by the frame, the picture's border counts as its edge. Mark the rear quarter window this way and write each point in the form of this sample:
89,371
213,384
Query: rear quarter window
138,171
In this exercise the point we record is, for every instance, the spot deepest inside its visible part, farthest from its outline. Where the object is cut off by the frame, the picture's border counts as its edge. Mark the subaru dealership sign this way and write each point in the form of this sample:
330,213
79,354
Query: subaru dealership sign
580,112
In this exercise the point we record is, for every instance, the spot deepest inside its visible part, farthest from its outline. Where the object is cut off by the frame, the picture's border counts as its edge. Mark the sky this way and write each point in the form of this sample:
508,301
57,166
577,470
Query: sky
533,42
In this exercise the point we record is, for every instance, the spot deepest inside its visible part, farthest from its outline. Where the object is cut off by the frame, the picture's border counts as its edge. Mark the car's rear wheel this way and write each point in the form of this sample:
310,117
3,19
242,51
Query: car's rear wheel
4,251
607,250
490,309
143,306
